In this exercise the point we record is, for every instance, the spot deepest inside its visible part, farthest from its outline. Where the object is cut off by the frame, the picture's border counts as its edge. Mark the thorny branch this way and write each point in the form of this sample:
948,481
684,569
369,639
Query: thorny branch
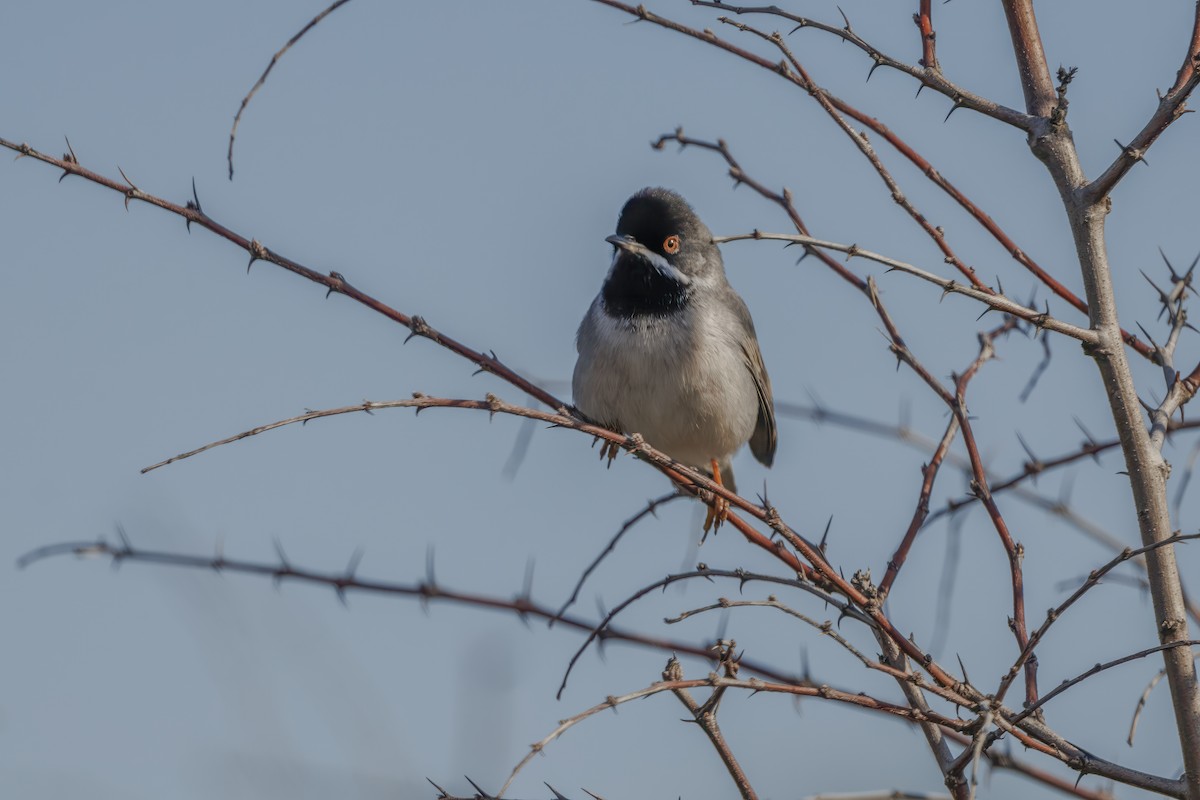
705,714
868,151
1098,668
694,482
826,628
685,478
1093,579
994,301
345,582
1171,107
928,73
929,475
337,283
1087,206
753,685
704,572
821,575
1059,507
832,104
334,282
956,402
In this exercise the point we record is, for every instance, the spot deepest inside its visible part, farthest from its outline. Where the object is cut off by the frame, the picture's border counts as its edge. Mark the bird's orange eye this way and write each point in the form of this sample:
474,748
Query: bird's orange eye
671,245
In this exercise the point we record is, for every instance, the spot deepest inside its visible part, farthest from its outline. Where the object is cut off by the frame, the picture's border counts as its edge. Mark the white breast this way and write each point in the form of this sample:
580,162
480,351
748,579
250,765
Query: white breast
681,381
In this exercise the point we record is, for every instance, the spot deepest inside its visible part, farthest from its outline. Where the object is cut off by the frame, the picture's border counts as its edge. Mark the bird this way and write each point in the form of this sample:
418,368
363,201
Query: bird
668,349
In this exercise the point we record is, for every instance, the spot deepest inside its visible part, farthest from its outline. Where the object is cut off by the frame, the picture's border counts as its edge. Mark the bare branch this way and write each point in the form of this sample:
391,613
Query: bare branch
928,72
237,118
1182,390
924,20
929,475
1188,70
344,582
705,714
334,282
826,628
860,141
650,509
742,576
1170,108
1097,669
997,301
752,685
1093,580
927,169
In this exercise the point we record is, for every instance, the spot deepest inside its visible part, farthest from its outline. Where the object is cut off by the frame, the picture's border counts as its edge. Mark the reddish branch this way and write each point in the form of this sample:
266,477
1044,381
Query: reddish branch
334,282
1036,83
929,78
428,591
1190,59
960,98
692,481
1030,56
826,101
928,476
924,20
1032,468
957,404
984,219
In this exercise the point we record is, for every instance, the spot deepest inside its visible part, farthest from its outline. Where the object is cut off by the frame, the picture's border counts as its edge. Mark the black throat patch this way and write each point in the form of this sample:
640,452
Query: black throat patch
636,289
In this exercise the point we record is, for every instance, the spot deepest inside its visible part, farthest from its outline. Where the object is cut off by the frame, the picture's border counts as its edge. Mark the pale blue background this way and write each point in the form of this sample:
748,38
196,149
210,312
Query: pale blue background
464,161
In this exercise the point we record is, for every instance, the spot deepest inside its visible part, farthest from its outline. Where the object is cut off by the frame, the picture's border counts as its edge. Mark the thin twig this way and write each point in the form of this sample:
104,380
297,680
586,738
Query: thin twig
650,509
996,301
237,118
742,576
1093,579
1097,669
929,75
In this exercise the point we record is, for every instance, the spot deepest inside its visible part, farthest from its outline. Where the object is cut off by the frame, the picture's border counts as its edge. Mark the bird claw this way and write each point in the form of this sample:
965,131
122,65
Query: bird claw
718,512
718,508
609,450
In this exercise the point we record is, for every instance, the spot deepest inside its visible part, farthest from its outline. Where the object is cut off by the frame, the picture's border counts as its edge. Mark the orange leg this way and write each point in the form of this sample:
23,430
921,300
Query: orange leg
718,511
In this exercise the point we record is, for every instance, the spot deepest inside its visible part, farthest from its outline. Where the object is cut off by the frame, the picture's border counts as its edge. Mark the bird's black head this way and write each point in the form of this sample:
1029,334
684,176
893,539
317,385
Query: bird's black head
662,251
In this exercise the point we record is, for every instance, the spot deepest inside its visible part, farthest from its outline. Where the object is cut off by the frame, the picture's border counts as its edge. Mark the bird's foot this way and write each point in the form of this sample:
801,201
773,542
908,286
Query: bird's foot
609,450
718,509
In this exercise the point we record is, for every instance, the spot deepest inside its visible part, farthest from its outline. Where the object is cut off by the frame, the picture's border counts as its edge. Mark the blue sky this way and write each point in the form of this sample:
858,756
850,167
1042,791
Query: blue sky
464,161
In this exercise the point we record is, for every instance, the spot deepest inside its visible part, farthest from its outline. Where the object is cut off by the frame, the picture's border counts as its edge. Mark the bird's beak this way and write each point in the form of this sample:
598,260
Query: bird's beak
627,243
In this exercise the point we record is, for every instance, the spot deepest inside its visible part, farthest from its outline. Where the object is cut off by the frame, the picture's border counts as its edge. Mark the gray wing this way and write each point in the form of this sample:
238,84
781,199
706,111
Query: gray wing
764,438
